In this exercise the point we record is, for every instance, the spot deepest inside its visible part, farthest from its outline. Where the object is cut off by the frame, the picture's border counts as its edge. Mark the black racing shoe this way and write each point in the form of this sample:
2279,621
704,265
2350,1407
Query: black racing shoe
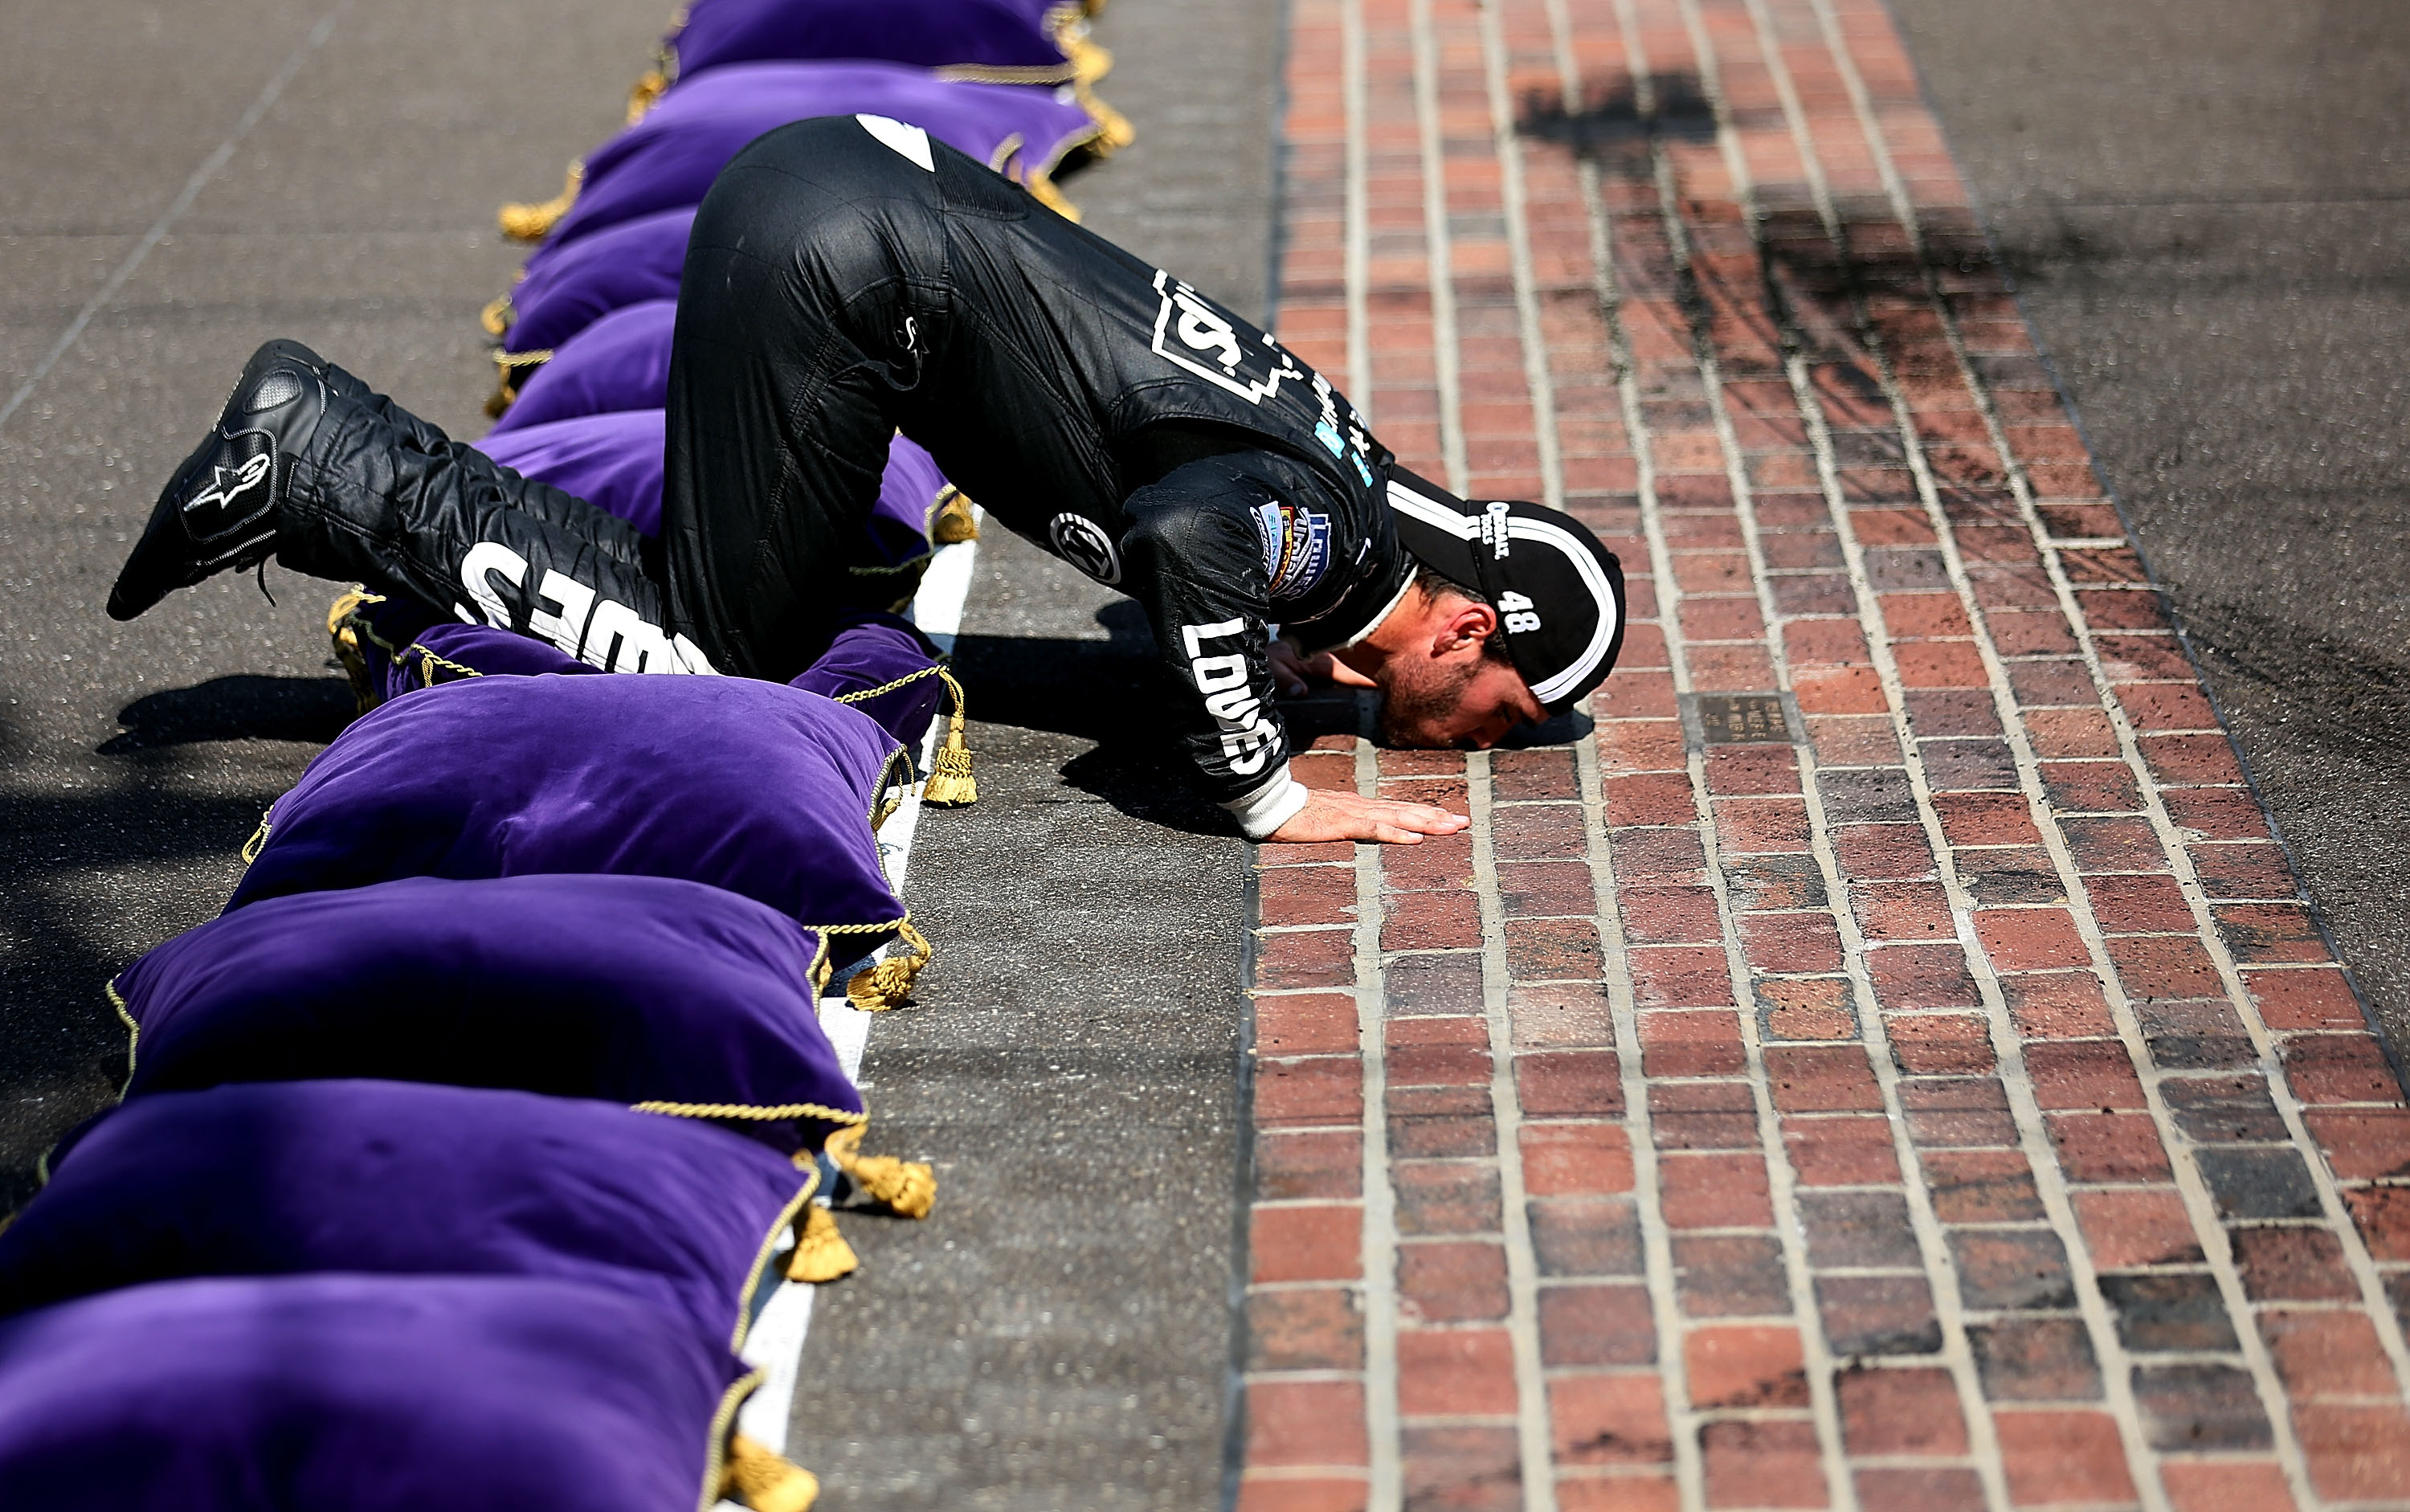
219,509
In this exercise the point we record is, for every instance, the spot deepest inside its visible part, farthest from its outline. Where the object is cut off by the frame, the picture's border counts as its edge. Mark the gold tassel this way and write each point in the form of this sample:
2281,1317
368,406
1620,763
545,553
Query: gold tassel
907,1187
496,316
514,365
1089,62
887,984
346,636
952,522
951,783
532,223
1042,189
822,1254
644,93
767,1481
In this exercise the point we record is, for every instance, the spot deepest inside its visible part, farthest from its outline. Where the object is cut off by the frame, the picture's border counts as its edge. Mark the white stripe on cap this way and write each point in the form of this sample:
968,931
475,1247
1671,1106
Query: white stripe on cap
1523,528
909,141
1438,516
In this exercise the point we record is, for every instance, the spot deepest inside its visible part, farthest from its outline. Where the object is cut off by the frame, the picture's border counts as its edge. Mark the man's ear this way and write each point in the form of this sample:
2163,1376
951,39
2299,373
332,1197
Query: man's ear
1466,623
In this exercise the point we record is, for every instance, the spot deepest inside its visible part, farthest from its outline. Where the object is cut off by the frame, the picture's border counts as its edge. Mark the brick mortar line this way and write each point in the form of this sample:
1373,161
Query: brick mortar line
1815,1350
1356,258
2357,1257
1655,1234
2008,1042
1509,147
1874,1037
1438,257
1506,1115
1385,1471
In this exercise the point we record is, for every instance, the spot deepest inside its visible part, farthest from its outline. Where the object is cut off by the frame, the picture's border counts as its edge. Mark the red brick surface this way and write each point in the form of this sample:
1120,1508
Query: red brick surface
1955,1107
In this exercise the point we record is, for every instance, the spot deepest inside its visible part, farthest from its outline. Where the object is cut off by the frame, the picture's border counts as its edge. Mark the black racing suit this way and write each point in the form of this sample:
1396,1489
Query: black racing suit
848,278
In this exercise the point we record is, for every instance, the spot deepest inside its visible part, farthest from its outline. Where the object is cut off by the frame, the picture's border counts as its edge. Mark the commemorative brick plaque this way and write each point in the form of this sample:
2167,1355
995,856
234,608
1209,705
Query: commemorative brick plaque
1743,718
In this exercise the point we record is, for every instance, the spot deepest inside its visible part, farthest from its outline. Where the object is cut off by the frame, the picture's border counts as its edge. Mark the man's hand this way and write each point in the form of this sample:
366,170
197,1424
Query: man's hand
1347,816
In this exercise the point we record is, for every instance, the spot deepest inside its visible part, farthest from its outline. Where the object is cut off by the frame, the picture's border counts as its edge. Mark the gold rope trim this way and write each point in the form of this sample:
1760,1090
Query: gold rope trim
133,1030
1010,73
751,1113
258,841
534,222
785,1220
506,386
715,1449
932,670
430,661
497,316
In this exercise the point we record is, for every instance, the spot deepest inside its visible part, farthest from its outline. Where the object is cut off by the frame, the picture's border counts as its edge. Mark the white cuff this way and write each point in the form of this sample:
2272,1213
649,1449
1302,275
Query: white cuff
1266,809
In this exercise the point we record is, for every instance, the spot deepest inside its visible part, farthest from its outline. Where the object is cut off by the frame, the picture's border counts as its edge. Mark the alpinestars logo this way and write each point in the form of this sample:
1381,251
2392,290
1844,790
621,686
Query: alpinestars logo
1084,543
228,484
1189,326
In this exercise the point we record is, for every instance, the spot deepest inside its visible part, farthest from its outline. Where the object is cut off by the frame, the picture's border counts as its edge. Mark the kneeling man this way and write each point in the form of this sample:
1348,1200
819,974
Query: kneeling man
847,278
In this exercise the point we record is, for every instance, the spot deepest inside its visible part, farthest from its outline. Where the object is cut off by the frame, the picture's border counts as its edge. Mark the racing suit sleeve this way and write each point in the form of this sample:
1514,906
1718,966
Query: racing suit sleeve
1193,556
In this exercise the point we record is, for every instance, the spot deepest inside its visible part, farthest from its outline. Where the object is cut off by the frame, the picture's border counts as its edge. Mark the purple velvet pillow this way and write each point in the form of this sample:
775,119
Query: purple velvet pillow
1008,39
364,1393
663,995
396,1178
879,663
634,262
754,787
613,459
667,160
620,362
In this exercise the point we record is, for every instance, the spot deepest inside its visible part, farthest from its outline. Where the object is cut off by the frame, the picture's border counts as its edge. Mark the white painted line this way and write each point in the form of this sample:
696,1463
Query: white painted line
776,1344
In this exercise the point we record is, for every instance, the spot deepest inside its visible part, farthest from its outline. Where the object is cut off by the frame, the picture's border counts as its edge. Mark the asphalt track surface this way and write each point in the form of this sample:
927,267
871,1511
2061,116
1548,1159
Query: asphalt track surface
2205,205
184,182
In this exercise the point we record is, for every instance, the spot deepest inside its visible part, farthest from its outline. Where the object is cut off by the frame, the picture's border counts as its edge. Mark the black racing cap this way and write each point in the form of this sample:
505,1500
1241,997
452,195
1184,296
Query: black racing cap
1558,593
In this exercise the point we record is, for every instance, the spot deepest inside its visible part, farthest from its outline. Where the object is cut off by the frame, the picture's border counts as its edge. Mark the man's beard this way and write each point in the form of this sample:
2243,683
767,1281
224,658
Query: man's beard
1418,695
